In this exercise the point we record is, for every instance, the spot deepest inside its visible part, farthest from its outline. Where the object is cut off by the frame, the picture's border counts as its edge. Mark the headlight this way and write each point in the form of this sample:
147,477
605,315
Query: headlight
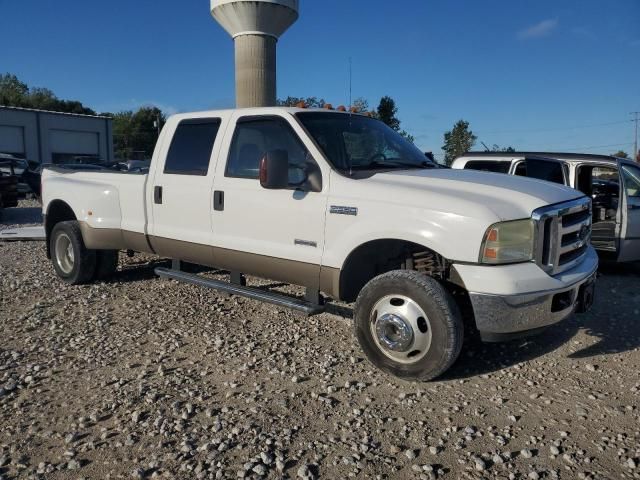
508,242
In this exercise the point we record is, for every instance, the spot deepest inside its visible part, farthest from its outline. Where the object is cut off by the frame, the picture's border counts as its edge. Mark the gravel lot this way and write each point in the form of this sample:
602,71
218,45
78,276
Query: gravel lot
142,377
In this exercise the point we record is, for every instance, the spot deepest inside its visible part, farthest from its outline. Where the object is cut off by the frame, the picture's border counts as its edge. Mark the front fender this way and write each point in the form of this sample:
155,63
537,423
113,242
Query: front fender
453,236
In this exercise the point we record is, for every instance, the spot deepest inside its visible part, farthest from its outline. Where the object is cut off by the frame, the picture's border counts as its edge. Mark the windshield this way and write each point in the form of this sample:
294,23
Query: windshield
356,142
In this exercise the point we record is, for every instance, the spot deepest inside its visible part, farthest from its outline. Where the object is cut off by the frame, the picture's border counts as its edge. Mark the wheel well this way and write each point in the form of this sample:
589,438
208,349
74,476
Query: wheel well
58,211
380,256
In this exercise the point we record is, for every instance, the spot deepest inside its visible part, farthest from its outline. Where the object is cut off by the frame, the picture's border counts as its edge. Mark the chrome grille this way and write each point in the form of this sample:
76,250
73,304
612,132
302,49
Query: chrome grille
563,232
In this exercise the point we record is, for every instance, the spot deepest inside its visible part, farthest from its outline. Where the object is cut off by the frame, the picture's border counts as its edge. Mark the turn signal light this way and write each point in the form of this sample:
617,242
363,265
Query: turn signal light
490,253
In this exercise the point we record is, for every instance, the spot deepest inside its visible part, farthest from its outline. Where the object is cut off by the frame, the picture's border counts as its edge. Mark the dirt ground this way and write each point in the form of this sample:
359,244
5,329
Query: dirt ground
141,377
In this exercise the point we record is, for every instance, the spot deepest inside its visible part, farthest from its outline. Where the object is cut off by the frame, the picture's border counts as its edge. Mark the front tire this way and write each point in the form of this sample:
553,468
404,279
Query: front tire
408,325
72,261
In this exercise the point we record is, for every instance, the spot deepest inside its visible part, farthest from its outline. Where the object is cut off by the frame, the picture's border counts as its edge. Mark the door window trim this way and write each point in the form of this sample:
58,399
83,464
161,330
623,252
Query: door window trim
563,166
262,118
193,121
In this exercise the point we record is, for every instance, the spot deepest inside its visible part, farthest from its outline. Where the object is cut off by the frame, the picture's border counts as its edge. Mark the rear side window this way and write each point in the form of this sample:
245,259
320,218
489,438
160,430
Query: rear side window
542,170
191,146
488,166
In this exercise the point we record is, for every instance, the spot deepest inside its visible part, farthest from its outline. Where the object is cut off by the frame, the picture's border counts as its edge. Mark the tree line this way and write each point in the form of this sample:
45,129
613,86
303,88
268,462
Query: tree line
135,132
387,111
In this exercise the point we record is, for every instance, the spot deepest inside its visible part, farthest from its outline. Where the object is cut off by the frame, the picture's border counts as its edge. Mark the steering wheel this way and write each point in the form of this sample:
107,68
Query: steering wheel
375,156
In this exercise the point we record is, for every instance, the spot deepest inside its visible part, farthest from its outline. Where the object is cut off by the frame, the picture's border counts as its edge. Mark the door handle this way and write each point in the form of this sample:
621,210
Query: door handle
157,195
218,200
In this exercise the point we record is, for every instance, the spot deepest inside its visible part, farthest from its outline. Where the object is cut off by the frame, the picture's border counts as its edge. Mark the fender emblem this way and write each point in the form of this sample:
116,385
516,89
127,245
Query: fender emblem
342,210
305,243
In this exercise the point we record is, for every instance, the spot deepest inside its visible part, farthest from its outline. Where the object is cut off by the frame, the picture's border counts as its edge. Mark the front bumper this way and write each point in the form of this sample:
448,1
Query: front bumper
502,315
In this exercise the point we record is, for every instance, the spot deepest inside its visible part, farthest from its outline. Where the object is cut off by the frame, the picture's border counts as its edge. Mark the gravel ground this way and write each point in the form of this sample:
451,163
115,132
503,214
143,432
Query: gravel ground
141,377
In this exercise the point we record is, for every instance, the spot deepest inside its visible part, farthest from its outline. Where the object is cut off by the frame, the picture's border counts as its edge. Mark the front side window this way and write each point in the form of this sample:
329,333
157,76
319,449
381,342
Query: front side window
254,138
191,147
356,142
631,177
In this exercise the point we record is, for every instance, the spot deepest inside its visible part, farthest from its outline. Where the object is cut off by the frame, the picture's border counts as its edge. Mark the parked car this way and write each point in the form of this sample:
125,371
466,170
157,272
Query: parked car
338,203
10,165
8,191
612,183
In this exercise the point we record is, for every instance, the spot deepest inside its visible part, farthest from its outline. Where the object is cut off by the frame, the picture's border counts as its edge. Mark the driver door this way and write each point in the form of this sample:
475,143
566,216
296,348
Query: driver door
630,233
276,234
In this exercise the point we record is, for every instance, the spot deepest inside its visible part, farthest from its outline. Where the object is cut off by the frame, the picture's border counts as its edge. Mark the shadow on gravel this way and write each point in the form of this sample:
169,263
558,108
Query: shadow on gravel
21,216
478,358
614,323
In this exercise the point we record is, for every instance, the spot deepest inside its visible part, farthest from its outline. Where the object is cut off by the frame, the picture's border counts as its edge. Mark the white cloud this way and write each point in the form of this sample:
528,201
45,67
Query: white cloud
541,29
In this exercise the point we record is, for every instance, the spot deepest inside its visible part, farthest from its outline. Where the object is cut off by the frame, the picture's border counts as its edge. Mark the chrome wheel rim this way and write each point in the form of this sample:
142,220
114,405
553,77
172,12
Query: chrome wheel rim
400,329
65,257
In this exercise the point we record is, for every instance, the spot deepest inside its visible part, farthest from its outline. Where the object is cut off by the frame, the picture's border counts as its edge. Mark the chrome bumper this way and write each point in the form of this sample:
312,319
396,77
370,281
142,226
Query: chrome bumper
503,316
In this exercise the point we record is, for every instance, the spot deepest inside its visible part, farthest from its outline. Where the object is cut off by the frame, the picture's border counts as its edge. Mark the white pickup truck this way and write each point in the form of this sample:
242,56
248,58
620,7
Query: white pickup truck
341,204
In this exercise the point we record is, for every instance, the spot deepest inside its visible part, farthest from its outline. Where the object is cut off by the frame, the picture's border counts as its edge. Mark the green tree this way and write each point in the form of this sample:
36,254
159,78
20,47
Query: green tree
387,112
311,102
499,149
135,133
458,141
361,105
14,93
620,154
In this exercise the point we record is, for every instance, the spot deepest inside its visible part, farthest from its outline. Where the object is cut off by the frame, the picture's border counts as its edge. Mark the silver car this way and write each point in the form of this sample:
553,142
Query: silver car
612,183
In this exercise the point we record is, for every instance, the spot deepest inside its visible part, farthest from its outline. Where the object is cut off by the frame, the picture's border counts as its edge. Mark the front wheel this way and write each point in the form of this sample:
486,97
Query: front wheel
73,262
408,325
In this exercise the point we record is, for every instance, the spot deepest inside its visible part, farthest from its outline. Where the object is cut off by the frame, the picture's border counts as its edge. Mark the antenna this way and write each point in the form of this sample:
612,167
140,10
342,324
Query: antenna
486,149
350,109
350,82
635,143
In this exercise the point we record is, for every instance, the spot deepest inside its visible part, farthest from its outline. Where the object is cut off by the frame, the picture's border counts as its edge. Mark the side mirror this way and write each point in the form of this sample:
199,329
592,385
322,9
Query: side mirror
274,170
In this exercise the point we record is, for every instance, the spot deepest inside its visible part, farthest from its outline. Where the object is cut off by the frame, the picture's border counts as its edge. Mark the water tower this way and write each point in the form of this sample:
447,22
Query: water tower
255,26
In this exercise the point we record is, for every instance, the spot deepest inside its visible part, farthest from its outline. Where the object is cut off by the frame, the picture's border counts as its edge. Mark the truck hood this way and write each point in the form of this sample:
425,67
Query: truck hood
470,192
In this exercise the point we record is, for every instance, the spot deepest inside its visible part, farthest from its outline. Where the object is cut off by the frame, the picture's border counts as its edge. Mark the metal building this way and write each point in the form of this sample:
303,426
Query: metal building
52,137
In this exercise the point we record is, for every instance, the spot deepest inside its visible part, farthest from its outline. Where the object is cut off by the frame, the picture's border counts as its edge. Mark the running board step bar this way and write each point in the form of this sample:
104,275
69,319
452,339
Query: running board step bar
249,292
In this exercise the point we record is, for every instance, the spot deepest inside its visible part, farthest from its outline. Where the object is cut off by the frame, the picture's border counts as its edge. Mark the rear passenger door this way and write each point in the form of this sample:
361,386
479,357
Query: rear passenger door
180,191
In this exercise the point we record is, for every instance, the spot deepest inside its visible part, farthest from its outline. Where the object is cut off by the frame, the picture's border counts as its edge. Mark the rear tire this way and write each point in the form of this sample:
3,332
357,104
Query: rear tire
106,263
72,261
408,325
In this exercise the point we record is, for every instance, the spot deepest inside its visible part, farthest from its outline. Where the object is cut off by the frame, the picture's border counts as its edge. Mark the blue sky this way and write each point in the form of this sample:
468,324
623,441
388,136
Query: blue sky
549,74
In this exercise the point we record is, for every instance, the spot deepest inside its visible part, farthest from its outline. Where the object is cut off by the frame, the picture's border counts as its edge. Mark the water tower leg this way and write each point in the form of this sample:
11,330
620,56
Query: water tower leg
255,71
